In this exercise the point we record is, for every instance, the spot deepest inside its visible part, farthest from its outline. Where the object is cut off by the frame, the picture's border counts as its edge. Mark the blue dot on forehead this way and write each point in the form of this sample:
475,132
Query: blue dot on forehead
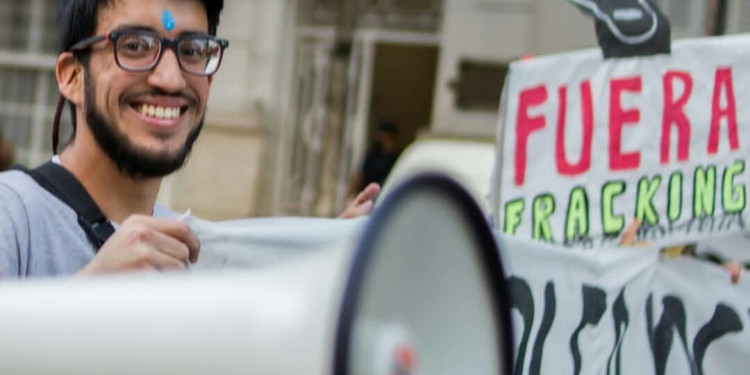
167,19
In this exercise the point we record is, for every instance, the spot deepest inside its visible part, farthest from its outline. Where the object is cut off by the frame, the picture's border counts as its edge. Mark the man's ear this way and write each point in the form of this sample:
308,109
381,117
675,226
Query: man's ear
69,73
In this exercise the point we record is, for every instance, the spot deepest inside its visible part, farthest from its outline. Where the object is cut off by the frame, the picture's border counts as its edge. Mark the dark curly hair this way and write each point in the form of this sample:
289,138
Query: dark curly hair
77,18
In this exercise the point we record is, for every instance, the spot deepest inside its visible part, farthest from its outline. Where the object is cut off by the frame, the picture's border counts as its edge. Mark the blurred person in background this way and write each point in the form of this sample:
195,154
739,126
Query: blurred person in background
380,158
6,154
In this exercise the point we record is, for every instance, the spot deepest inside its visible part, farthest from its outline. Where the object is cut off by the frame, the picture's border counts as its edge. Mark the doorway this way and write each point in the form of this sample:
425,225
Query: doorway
403,86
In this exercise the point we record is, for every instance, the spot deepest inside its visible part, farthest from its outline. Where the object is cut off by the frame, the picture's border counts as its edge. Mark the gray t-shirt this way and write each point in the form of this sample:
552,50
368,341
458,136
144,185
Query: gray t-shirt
39,234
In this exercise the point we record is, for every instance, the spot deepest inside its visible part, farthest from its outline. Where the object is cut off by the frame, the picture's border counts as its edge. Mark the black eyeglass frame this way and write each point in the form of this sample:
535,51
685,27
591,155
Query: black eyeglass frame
164,43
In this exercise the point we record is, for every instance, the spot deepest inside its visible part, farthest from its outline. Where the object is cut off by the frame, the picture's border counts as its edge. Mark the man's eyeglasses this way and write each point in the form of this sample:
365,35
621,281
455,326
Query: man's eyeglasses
141,50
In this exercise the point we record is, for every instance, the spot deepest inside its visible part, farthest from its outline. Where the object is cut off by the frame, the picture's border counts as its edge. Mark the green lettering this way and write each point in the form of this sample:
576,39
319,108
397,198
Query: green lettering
704,192
733,197
513,211
674,203
544,207
577,221
644,205
611,223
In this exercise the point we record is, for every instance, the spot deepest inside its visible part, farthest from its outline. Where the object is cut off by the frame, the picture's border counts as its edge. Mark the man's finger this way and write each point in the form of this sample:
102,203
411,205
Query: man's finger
367,194
734,268
630,235
170,246
164,261
362,209
179,230
363,203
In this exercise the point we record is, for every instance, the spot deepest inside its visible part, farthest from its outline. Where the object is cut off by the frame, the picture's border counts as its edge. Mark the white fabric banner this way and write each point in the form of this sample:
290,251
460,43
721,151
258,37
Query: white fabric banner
624,311
247,243
620,310
588,144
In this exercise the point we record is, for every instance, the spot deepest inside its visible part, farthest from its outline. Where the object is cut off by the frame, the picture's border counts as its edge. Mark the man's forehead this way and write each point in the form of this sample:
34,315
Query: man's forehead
161,15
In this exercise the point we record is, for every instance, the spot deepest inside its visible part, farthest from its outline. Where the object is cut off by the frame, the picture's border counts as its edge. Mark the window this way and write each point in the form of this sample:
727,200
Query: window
738,16
28,88
686,17
414,6
392,14
480,85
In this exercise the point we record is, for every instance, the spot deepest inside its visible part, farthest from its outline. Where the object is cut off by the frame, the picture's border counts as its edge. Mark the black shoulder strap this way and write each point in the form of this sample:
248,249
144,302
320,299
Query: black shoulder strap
66,187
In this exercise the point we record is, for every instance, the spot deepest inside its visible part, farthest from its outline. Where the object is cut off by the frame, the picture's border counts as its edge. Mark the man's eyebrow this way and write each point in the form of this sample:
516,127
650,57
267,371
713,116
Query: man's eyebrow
193,33
153,30
135,27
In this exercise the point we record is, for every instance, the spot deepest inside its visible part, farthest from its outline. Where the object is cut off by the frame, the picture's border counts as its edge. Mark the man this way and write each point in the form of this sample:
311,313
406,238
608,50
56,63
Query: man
138,75
380,158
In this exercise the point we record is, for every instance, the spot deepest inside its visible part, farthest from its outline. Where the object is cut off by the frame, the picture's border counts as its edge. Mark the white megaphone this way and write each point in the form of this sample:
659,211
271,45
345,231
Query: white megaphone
421,292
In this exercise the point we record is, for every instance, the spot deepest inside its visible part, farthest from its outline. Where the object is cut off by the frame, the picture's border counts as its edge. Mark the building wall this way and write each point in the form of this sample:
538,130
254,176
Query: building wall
221,179
238,167
226,175
233,170
738,18
499,31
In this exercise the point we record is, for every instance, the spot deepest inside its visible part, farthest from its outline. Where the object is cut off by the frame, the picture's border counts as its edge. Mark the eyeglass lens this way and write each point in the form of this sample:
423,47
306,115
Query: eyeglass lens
199,55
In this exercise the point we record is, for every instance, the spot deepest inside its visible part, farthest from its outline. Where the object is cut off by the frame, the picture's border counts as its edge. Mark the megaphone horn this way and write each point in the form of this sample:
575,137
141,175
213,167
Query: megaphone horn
422,291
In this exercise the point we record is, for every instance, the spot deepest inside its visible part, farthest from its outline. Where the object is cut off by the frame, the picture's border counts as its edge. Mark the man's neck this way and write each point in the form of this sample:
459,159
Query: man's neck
117,195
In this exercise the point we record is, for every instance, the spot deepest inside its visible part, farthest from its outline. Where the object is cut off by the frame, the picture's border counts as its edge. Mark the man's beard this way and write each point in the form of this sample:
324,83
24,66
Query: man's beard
131,160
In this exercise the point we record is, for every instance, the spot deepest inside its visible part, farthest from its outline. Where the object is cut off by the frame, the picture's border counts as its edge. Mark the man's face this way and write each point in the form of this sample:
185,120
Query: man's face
118,104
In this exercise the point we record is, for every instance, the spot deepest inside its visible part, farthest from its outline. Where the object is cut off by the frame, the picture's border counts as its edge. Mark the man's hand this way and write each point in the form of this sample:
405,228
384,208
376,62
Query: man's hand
630,235
146,243
629,239
734,268
363,203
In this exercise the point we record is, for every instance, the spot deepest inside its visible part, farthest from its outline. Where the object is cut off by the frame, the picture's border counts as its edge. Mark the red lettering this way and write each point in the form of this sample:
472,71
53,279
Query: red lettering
587,114
674,114
525,125
618,117
723,82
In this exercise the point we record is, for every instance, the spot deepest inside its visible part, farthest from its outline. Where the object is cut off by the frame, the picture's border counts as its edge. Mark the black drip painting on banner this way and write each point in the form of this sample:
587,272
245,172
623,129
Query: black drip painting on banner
627,28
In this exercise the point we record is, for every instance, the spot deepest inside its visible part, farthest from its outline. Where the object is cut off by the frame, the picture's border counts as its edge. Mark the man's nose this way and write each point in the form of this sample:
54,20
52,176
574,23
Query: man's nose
167,74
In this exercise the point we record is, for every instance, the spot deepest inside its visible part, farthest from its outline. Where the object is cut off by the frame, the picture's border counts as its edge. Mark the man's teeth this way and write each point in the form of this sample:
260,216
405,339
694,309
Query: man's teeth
164,113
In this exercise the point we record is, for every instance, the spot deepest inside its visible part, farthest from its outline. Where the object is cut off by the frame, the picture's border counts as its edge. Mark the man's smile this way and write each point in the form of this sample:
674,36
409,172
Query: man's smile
162,112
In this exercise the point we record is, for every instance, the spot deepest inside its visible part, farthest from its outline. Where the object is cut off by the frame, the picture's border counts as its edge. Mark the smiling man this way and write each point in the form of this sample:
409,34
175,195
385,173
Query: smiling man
137,75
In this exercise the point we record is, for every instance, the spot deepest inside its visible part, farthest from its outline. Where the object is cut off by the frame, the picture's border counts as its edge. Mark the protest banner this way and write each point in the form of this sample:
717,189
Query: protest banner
623,311
587,144
574,311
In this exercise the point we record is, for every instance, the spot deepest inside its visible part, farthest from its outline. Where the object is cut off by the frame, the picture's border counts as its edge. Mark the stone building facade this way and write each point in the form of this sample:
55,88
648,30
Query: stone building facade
433,66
